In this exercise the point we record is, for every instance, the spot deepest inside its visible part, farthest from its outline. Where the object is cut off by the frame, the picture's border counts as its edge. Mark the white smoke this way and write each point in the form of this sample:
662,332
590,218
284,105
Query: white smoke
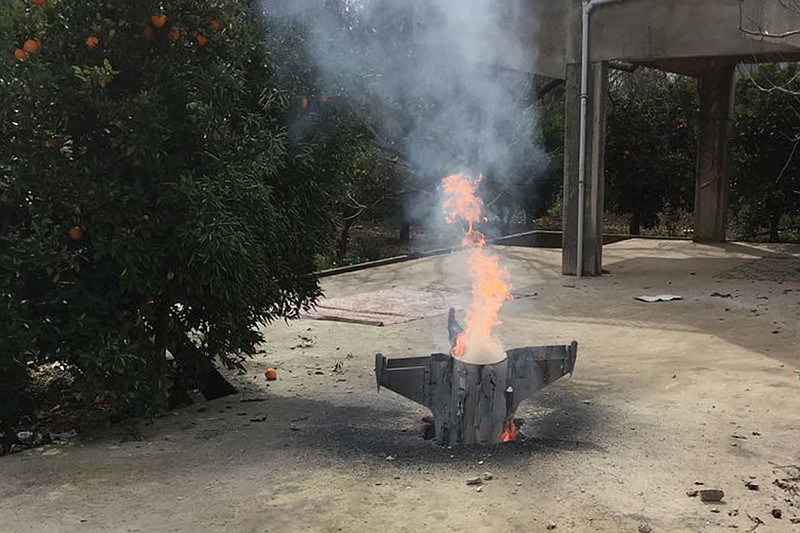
442,81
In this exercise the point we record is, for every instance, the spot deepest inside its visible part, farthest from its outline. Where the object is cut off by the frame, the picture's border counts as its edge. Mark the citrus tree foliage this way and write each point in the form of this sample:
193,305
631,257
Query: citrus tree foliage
766,178
650,145
150,187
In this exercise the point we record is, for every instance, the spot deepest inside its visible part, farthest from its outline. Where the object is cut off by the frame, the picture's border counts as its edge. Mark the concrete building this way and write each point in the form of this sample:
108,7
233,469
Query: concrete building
705,39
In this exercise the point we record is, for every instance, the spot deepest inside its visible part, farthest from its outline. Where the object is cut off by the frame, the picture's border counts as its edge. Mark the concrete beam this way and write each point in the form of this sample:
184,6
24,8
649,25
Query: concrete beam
593,205
716,90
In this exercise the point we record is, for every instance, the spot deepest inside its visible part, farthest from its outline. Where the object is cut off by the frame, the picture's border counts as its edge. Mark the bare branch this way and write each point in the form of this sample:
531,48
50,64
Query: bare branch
761,32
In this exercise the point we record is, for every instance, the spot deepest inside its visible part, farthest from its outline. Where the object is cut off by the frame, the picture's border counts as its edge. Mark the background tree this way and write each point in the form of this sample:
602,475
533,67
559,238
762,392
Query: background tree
766,179
152,193
650,145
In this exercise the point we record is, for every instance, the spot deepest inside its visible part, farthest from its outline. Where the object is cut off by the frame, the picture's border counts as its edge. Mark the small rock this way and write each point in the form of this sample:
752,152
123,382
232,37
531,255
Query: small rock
551,525
711,495
487,476
480,462
756,434
691,493
644,527
733,512
777,513
25,437
794,520
751,485
64,436
479,489
474,481
715,509
519,483
14,448
390,458
699,483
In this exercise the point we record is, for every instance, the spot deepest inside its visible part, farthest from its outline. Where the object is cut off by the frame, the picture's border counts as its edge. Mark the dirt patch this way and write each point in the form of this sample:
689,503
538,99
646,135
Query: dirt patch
780,268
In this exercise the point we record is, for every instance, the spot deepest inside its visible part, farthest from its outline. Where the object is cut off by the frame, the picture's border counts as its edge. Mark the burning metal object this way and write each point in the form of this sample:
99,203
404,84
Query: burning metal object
474,390
474,403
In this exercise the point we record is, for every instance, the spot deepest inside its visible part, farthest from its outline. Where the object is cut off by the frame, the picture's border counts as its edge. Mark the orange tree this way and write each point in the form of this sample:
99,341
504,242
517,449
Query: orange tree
152,192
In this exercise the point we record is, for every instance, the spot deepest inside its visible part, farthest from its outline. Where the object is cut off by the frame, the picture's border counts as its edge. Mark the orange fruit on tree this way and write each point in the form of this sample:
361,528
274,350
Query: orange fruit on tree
148,32
303,102
201,39
19,53
91,41
174,34
214,23
75,233
271,374
158,19
31,45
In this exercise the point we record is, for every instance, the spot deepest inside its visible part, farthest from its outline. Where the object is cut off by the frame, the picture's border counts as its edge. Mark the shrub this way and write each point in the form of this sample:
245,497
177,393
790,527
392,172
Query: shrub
150,189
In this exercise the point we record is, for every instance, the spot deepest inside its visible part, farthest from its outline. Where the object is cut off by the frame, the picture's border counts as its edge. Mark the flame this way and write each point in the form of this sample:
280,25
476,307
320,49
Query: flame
510,431
489,280
458,347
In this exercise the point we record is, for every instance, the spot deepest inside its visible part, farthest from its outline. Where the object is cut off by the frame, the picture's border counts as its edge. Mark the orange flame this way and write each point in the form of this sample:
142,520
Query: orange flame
489,280
510,431
458,347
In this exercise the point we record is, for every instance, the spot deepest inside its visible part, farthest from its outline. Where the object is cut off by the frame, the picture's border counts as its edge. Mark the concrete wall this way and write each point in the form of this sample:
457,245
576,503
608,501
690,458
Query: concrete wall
648,30
664,33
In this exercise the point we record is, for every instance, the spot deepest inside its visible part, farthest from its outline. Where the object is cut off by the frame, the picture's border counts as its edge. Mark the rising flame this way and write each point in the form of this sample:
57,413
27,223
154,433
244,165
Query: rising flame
509,431
489,280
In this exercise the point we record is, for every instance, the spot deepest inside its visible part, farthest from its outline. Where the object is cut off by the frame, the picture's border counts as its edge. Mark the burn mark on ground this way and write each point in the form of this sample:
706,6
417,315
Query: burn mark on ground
557,421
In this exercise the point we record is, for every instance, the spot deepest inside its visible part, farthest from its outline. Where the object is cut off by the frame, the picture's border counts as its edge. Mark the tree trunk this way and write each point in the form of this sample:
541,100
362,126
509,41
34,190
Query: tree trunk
774,221
162,332
344,239
405,232
635,225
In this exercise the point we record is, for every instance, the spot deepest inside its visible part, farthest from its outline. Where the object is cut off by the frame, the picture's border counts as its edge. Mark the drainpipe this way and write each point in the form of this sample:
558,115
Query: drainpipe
587,7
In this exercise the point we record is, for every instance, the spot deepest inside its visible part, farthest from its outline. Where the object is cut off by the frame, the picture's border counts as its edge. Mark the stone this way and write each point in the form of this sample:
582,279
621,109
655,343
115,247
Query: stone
794,520
25,437
751,485
551,525
644,527
691,493
777,513
715,509
474,481
479,489
487,476
711,495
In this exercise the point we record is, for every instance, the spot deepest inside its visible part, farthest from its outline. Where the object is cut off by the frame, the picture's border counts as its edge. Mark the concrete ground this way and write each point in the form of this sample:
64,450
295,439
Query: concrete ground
664,395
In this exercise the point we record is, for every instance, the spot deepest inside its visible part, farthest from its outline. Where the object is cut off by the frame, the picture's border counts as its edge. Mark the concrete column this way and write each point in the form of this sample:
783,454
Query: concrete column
715,86
594,183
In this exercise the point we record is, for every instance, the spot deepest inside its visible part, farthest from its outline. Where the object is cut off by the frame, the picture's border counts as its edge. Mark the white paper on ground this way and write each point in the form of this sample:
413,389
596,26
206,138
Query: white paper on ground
659,298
